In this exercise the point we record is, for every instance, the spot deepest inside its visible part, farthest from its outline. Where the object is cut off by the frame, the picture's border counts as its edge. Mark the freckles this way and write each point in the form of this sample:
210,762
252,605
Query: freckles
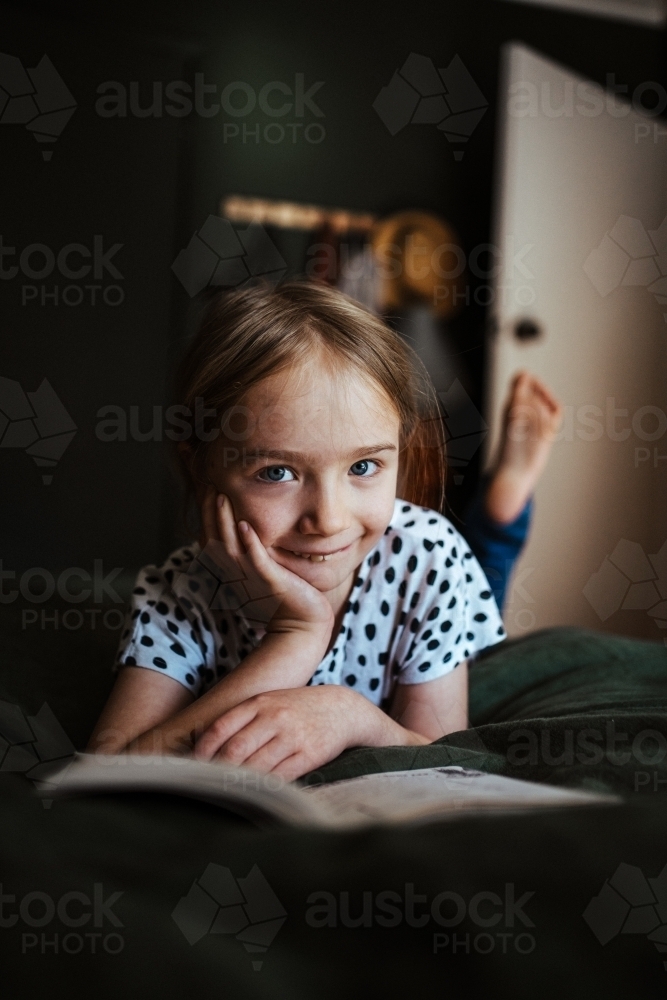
271,521
380,508
275,421
221,459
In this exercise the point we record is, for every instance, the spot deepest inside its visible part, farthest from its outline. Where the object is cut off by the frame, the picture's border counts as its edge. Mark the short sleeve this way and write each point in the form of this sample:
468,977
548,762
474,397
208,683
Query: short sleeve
453,617
160,634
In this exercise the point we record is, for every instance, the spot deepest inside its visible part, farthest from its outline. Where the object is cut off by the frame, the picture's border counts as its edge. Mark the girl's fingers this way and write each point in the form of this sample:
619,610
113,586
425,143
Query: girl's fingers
223,729
293,767
248,744
272,753
263,576
227,527
259,559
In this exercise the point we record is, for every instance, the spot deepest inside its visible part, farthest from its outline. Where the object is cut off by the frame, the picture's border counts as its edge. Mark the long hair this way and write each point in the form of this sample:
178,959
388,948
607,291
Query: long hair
248,335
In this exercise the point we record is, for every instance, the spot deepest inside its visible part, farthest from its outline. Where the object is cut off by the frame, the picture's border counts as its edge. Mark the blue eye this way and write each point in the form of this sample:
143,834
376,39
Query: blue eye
277,473
361,468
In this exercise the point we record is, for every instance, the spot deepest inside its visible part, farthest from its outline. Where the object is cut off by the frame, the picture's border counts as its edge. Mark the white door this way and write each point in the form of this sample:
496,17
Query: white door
581,231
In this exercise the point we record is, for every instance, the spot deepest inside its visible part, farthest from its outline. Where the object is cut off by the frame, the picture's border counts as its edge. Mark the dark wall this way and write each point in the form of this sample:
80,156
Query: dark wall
149,182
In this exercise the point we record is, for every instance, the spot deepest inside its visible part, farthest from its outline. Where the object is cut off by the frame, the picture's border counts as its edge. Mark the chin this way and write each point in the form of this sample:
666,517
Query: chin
321,576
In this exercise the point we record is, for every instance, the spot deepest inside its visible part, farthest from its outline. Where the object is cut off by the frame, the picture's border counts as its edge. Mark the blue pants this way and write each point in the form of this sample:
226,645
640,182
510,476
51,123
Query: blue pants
496,546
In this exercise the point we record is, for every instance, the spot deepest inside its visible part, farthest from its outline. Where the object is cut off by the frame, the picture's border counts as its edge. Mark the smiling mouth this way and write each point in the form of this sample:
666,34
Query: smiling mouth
318,556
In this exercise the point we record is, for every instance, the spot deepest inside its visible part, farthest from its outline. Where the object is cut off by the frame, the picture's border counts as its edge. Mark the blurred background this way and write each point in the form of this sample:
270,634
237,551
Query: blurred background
147,124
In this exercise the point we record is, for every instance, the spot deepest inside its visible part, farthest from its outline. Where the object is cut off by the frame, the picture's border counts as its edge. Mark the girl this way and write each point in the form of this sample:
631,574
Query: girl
318,611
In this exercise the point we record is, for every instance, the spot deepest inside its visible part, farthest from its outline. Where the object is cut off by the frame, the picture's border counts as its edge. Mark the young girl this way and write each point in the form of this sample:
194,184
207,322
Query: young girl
328,603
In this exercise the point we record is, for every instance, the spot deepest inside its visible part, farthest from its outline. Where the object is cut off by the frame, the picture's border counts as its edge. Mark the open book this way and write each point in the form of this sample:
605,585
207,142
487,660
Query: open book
390,797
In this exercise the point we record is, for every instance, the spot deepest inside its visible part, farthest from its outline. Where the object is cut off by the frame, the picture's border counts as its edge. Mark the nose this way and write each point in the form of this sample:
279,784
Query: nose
326,511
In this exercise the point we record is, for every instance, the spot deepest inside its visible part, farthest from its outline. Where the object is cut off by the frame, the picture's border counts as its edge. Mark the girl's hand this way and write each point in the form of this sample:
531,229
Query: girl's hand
294,731
280,600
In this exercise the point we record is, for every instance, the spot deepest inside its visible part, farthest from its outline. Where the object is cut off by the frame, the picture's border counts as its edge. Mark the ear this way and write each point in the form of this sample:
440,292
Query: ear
186,454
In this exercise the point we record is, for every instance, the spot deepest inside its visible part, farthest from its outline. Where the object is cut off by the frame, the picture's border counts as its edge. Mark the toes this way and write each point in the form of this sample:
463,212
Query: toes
545,393
523,388
534,392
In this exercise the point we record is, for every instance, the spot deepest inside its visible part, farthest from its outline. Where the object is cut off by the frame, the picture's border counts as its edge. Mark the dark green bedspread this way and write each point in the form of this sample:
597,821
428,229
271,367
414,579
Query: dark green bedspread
478,906
562,706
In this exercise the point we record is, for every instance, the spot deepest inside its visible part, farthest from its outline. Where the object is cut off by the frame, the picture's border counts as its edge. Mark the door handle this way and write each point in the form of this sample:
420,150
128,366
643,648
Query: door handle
527,329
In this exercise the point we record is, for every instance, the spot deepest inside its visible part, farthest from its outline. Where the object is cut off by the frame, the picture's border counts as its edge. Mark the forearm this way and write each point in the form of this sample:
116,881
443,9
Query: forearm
389,733
282,661
370,726
417,726
436,708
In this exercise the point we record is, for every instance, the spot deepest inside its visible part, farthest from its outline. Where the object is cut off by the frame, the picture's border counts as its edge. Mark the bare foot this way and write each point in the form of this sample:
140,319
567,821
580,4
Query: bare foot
530,422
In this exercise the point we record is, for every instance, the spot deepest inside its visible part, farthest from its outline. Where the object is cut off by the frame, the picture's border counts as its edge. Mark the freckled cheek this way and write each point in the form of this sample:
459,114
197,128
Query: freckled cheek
270,520
380,514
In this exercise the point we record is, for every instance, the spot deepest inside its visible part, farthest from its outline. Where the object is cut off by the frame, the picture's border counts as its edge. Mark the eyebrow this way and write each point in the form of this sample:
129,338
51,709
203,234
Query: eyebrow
292,456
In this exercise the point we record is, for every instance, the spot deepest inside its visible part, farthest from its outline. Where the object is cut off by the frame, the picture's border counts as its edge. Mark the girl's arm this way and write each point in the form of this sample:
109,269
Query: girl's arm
435,708
150,713
293,732
147,713
139,700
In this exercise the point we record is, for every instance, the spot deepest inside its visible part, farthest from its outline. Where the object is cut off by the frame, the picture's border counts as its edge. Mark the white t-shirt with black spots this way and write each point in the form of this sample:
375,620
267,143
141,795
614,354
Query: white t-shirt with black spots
419,606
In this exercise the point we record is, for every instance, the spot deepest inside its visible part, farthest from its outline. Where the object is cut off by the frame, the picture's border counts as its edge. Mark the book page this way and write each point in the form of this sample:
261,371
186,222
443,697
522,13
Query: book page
260,797
389,797
410,796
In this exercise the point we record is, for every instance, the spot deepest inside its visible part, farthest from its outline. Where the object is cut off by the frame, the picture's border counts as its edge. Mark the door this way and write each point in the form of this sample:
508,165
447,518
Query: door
580,299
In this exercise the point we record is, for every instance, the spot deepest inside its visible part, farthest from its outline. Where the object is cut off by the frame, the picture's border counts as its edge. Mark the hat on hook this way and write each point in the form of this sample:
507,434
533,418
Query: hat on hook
418,259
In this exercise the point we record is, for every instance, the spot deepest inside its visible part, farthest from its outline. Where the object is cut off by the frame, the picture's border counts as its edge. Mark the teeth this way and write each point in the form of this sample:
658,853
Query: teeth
313,557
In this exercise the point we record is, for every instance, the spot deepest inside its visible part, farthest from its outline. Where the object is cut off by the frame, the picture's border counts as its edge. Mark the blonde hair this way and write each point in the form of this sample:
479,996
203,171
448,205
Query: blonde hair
248,335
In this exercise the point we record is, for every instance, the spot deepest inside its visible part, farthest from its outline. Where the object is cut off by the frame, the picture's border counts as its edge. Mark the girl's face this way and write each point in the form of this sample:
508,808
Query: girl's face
311,461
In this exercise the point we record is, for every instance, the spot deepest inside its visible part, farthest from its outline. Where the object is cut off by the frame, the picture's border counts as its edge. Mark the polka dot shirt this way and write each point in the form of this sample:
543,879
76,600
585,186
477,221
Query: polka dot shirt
420,605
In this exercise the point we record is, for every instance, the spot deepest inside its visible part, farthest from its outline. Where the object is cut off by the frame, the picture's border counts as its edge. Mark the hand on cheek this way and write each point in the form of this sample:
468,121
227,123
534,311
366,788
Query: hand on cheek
289,603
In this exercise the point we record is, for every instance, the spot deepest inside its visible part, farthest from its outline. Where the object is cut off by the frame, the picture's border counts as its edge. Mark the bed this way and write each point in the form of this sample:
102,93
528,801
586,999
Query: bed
562,902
